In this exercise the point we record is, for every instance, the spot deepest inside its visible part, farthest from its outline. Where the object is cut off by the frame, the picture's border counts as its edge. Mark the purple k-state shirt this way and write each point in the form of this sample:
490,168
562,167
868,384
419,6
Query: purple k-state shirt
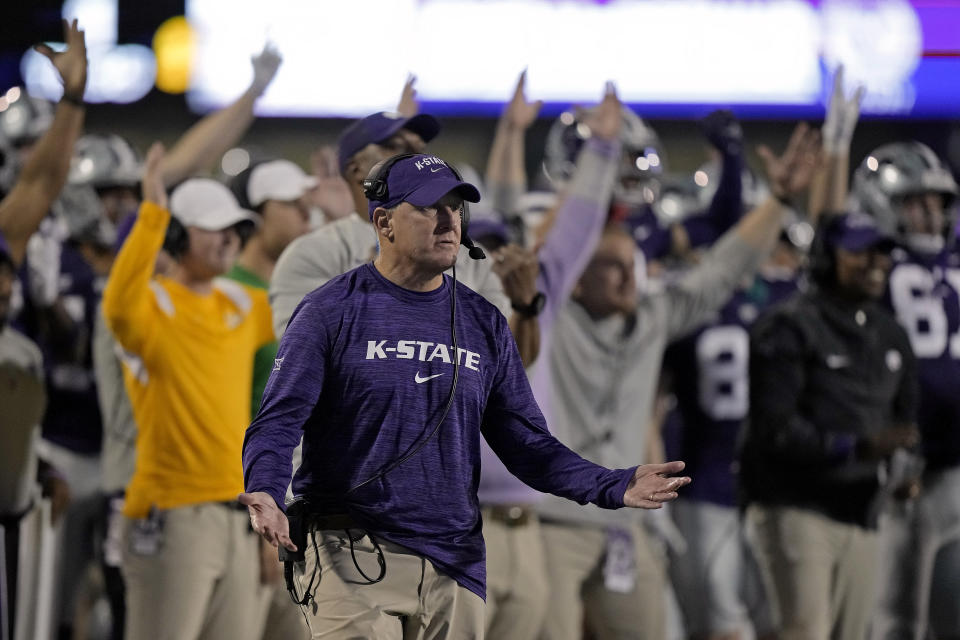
363,373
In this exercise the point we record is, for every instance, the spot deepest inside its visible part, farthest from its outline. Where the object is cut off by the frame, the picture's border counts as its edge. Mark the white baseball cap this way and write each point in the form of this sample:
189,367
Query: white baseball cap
278,180
207,204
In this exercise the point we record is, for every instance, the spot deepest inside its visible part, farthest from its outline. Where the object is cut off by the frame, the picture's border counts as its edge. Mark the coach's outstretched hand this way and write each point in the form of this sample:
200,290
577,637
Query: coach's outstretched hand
651,487
267,518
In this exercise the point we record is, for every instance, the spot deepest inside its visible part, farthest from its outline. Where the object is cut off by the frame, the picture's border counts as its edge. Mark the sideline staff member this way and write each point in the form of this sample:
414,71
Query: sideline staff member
396,464
833,394
190,565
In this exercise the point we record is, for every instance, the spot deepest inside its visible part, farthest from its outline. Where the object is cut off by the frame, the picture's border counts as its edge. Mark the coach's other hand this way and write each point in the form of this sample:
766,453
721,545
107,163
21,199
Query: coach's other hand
650,486
267,518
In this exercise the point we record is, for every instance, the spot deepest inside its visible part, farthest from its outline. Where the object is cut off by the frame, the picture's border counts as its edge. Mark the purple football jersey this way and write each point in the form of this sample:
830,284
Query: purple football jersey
923,294
711,382
72,418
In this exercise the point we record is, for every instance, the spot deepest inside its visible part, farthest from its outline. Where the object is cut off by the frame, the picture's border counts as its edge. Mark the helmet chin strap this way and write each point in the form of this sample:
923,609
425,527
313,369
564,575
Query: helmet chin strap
925,243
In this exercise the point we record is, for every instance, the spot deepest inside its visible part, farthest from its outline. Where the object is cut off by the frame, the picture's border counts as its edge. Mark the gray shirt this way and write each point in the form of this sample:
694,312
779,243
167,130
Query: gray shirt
598,385
119,429
22,399
345,244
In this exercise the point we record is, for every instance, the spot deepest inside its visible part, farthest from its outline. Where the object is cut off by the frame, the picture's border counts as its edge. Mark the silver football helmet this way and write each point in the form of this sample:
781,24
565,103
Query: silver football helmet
895,171
641,166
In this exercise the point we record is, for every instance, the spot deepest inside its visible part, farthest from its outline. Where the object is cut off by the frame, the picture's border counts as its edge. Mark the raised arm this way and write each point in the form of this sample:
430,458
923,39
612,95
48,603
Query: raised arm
724,132
506,174
45,173
207,140
579,220
127,297
828,193
739,252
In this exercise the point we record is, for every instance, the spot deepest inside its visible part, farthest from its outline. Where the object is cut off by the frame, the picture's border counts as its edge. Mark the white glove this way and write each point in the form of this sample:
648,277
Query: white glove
265,65
43,267
842,116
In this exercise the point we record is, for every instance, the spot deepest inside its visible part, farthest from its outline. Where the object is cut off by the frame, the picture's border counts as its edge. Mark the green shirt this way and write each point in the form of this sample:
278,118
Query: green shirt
263,360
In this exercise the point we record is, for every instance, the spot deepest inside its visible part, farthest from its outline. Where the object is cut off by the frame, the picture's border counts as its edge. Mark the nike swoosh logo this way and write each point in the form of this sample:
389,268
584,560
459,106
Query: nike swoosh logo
419,380
435,170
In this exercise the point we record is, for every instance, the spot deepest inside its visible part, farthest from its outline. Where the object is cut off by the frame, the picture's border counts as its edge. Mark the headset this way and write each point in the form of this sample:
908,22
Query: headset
177,240
375,188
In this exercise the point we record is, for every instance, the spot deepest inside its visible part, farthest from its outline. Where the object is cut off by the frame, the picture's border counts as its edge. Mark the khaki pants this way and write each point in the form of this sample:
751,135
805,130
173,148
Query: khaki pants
575,561
202,580
823,571
517,587
282,619
413,601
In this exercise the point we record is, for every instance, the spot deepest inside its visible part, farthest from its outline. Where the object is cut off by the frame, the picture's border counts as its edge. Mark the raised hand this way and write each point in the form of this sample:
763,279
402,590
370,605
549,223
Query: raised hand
408,105
267,519
71,63
606,119
791,173
152,182
724,132
265,65
650,486
517,269
519,112
842,116
332,193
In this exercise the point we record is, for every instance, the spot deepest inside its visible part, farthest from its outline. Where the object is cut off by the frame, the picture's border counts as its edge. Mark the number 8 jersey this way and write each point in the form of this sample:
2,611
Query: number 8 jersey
710,374
923,294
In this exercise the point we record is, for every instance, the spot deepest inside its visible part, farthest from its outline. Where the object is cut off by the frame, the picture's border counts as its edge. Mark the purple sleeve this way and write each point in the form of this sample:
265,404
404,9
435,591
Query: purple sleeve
288,400
579,222
515,429
726,206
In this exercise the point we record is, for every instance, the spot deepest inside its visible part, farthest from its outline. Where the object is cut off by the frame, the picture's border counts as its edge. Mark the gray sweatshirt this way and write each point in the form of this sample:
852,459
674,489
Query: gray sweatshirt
345,244
119,428
597,388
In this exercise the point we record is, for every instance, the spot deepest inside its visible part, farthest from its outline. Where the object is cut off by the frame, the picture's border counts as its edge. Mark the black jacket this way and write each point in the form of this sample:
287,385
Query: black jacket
823,374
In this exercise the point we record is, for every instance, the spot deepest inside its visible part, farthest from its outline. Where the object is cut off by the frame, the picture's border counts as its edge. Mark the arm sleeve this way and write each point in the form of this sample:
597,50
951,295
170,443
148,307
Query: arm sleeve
579,222
309,261
777,379
709,285
128,303
516,431
726,205
288,400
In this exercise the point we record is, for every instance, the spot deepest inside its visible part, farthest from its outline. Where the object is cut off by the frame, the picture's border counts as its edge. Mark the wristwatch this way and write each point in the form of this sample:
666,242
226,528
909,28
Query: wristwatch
533,308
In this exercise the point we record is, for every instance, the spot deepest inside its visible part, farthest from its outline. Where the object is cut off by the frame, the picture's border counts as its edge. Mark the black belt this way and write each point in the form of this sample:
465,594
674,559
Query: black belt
335,521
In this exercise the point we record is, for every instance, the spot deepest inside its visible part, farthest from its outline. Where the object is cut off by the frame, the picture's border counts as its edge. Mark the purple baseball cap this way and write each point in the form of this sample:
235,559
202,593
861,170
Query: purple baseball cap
376,128
485,227
421,180
857,232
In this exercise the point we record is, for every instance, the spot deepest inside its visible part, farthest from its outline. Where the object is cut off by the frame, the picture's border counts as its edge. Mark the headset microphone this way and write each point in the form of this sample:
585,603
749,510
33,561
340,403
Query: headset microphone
475,252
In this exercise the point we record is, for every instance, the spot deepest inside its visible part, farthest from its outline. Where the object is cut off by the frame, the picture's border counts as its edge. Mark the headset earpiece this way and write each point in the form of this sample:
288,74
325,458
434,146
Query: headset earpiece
375,184
177,240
